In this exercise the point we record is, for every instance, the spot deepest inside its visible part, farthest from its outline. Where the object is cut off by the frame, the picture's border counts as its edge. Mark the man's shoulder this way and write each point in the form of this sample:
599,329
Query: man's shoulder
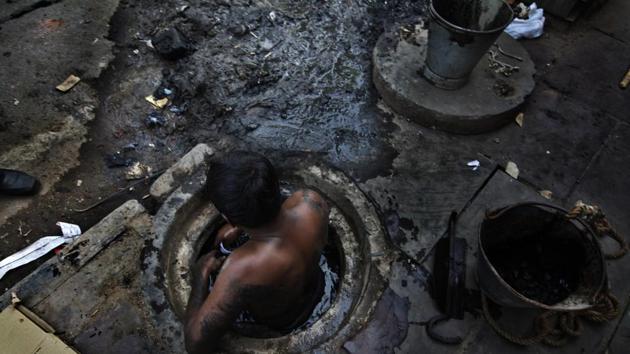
310,199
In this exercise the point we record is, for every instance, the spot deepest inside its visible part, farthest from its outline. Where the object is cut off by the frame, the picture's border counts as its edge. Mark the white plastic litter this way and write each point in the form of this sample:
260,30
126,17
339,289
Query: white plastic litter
512,169
529,28
40,247
474,164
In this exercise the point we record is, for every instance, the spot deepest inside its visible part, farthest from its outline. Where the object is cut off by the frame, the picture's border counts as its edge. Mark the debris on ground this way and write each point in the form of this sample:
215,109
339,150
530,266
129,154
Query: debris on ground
68,83
171,44
176,109
14,182
155,119
521,11
40,247
130,147
503,68
130,188
512,169
50,24
117,159
273,17
474,164
519,119
157,102
137,171
625,81
529,26
148,43
239,30
266,45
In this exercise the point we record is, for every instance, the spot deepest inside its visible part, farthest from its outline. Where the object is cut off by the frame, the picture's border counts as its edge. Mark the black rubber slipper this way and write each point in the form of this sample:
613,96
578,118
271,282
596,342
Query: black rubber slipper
17,183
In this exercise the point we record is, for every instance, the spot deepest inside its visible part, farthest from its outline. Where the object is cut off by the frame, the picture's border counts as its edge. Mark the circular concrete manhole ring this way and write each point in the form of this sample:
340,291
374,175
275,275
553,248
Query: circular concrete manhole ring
180,231
488,101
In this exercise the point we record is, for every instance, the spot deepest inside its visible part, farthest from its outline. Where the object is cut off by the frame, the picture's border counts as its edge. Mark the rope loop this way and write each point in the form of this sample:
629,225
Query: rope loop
556,328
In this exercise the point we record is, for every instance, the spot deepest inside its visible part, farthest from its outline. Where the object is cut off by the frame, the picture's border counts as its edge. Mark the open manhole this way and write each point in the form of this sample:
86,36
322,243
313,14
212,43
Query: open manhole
355,264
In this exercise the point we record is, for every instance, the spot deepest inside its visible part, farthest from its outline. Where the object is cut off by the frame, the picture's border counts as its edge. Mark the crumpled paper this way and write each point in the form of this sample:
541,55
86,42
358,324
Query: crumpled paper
40,247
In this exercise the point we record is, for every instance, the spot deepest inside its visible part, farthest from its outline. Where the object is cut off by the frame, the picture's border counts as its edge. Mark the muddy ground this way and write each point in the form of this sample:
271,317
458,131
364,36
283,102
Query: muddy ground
283,76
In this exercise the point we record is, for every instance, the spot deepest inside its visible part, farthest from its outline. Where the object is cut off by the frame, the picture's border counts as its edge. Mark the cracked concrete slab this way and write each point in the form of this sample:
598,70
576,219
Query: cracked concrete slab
12,9
387,328
605,184
621,341
575,60
559,137
606,20
431,179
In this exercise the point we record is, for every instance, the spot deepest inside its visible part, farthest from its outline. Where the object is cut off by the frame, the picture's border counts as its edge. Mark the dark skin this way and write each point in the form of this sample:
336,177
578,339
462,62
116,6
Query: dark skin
272,276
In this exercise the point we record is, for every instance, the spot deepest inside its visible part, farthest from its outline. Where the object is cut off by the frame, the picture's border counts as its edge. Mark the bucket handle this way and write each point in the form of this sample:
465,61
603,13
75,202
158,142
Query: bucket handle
495,214
623,246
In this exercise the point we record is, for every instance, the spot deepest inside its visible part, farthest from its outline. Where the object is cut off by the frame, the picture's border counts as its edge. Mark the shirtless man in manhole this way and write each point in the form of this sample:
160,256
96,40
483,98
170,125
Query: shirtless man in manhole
274,277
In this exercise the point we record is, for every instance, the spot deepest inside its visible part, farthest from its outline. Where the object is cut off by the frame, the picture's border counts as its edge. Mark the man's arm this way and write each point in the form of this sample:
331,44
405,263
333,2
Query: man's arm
209,316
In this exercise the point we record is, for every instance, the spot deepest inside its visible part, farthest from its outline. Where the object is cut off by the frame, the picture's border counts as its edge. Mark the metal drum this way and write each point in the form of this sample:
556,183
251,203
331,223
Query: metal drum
533,255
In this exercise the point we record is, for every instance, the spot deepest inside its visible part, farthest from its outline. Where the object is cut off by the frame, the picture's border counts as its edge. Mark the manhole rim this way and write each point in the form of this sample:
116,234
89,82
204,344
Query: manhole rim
377,260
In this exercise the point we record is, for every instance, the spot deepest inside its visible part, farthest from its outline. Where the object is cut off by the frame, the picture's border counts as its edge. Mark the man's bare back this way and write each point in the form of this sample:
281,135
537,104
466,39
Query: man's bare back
282,267
274,276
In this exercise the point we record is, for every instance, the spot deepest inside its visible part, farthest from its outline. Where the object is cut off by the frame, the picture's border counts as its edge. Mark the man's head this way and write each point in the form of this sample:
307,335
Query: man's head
244,187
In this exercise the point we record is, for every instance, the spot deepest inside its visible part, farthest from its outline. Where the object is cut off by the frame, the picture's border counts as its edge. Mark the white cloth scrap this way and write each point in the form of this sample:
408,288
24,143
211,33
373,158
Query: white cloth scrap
40,247
474,164
529,28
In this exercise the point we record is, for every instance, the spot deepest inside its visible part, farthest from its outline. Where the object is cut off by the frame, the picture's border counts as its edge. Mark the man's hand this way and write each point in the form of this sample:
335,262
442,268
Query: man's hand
210,314
227,234
208,264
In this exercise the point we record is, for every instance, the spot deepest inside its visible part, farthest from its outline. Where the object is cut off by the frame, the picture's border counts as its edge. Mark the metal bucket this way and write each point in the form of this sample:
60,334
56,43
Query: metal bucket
460,32
569,245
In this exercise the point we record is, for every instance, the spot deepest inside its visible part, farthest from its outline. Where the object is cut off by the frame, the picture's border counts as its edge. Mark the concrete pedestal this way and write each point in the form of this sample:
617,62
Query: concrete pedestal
488,101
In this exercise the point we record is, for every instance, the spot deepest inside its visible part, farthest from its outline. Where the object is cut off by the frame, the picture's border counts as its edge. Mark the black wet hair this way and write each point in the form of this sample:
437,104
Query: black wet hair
244,187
